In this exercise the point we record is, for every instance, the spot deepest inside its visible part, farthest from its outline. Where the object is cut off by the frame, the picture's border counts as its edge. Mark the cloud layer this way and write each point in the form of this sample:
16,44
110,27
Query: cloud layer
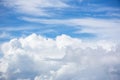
34,8
64,58
102,28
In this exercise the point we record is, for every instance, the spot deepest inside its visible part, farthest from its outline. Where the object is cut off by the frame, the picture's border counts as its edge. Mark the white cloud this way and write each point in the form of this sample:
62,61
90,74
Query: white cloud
34,7
103,28
3,66
45,7
63,58
20,28
89,22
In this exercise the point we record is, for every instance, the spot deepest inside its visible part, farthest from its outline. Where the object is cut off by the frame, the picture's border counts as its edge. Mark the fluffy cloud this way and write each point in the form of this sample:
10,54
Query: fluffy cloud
64,58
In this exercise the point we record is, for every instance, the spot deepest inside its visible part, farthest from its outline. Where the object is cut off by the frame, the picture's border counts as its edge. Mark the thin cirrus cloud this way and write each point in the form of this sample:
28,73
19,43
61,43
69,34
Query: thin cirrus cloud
47,8
103,28
34,7
3,35
63,58
91,22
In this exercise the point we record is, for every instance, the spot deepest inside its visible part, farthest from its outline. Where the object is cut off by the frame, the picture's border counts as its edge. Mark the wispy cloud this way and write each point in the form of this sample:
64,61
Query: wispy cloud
90,22
48,8
4,35
103,27
34,7
20,28
100,8
96,10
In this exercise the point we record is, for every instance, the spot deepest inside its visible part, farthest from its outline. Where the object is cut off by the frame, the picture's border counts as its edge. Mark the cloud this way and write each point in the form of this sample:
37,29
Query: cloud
90,22
20,28
34,8
4,35
100,8
48,8
103,28
64,58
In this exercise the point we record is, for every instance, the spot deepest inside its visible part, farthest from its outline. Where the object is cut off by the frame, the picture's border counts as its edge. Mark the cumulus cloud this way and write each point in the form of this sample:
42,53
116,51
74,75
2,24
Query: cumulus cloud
64,58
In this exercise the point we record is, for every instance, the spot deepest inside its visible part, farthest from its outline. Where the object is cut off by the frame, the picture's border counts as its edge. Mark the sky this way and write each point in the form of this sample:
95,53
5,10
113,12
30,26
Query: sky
59,39
81,18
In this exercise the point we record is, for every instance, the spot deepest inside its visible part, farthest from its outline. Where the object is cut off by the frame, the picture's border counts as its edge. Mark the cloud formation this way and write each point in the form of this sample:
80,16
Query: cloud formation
48,8
34,8
102,28
64,58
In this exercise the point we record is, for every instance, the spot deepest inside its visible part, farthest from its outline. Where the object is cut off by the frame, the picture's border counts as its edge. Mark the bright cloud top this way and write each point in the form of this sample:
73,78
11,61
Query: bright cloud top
63,58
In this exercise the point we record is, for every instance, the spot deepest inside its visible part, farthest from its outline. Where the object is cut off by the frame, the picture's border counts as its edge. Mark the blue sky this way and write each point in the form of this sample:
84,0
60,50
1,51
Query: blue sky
56,17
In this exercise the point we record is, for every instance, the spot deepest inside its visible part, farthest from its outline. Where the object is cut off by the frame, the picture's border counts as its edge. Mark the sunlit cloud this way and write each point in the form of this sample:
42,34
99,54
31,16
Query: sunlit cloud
39,58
